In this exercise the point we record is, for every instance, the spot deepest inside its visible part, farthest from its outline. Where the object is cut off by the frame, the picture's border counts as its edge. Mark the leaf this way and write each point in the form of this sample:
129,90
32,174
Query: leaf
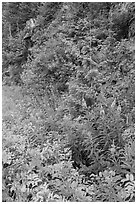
79,192
112,173
23,189
105,173
6,157
113,104
131,177
100,174
119,110
116,178
74,184
102,112
127,176
92,73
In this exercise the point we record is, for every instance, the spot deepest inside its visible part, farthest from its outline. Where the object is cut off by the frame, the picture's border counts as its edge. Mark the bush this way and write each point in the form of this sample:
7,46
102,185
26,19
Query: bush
68,129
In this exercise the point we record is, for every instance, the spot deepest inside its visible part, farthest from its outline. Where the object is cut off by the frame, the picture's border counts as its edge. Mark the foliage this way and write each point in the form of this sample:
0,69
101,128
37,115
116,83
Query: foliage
122,16
16,14
68,102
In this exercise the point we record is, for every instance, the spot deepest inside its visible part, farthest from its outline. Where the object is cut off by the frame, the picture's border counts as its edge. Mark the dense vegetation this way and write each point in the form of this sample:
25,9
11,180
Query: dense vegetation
68,102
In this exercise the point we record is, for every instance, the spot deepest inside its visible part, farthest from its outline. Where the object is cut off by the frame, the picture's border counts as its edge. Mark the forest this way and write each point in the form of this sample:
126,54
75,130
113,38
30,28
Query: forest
68,102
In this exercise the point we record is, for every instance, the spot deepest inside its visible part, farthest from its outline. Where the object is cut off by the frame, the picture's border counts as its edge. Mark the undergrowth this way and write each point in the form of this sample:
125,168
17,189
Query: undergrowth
68,118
